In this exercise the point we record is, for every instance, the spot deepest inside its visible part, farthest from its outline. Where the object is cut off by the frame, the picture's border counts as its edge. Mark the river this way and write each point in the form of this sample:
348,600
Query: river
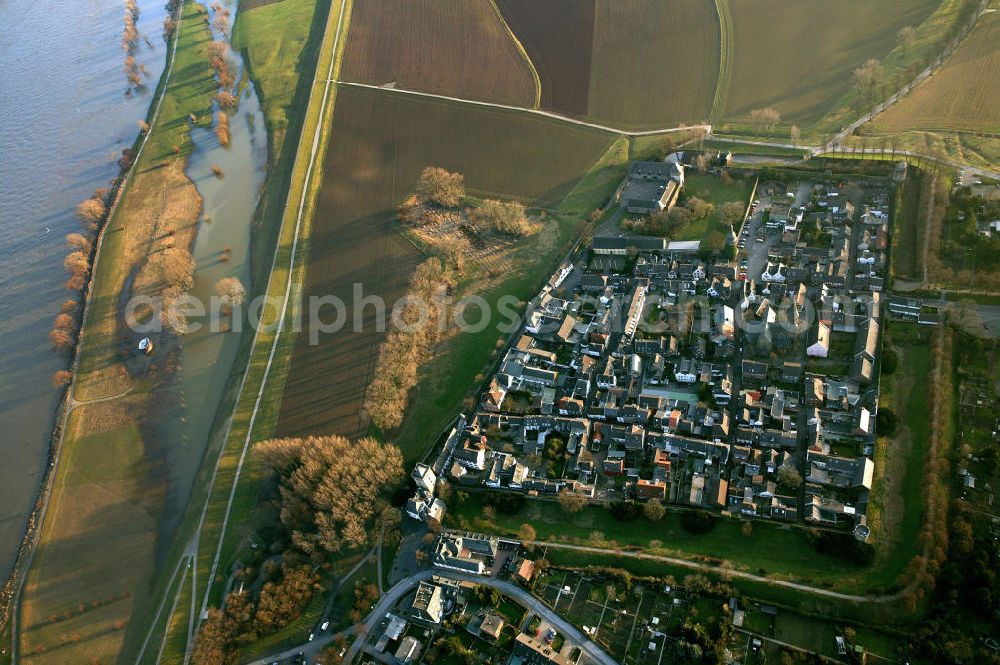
64,118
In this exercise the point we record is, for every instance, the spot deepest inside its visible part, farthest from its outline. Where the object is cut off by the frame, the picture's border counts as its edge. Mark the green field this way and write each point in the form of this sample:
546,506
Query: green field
799,58
654,63
896,513
775,550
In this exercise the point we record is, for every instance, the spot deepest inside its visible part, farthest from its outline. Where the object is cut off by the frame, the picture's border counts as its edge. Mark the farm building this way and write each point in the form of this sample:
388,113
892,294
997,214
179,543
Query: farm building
652,186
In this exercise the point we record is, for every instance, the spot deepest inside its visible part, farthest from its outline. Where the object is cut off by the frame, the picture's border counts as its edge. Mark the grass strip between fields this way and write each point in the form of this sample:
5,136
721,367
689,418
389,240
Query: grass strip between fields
537,104
726,43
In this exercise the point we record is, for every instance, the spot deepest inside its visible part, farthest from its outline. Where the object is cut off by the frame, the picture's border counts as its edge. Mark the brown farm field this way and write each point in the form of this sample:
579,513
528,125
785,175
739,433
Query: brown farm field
956,97
799,57
459,48
655,63
559,37
381,140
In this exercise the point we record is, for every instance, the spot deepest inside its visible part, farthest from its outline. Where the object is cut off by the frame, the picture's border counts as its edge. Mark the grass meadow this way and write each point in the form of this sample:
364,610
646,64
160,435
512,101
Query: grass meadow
459,48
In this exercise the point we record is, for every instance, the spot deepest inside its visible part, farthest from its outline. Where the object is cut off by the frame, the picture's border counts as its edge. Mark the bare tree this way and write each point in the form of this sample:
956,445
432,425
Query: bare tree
907,36
231,290
795,134
91,211
765,118
441,187
222,127
61,378
571,502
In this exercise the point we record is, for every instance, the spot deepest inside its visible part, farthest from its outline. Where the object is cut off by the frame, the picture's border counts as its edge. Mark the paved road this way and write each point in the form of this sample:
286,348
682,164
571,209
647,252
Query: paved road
591,650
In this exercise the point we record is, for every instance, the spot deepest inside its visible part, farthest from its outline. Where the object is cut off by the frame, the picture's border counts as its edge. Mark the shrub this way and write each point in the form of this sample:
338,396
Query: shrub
625,511
697,521
886,422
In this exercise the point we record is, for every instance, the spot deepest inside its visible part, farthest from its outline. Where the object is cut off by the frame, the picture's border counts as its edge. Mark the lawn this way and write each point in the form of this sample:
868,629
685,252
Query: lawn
909,226
458,48
896,512
654,63
779,551
717,191
381,142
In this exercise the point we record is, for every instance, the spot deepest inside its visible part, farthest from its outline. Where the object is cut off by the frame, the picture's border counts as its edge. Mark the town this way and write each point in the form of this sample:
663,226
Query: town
647,371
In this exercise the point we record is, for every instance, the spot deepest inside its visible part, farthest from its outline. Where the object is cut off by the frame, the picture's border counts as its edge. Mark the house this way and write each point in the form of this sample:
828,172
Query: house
468,553
791,372
408,651
428,604
650,489
651,186
523,569
492,625
621,244
424,478
818,342
754,370
530,650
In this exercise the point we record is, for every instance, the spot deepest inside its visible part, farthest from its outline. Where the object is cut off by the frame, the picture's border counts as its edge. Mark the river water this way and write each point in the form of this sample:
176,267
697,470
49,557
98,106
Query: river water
64,118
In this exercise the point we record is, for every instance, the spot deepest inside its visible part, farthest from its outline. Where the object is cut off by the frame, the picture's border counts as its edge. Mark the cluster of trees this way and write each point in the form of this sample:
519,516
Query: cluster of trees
169,272
221,20
134,72
441,187
331,491
764,119
170,22
920,576
404,350
869,78
968,590
246,617
500,217
77,263
571,502
697,521
672,223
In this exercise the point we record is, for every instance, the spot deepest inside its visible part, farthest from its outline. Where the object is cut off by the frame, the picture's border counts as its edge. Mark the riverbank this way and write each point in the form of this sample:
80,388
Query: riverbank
66,112
96,549
117,188
298,122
